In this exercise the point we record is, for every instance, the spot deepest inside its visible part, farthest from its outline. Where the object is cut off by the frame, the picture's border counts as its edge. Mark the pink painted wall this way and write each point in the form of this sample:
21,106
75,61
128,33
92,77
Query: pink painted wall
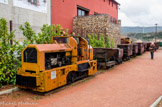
63,11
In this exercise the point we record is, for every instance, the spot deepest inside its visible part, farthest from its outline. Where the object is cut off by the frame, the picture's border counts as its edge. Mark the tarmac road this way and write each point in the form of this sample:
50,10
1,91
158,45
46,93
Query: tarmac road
135,83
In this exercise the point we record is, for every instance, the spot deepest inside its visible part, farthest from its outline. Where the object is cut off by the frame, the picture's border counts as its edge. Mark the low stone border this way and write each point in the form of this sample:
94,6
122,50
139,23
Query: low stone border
9,90
156,102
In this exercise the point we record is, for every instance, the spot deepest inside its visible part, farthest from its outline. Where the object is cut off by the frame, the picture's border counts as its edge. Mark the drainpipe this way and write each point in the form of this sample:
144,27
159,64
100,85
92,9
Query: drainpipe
11,41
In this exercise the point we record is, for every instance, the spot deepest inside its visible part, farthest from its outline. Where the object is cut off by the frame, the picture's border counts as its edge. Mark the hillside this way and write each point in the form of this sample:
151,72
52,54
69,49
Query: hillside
125,30
145,36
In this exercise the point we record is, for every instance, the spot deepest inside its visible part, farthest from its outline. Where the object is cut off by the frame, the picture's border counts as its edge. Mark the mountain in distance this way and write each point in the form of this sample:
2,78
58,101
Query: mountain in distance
138,29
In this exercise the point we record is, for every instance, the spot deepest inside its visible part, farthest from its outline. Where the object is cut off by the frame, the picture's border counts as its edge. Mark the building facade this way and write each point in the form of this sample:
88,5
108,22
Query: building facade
36,12
68,13
63,11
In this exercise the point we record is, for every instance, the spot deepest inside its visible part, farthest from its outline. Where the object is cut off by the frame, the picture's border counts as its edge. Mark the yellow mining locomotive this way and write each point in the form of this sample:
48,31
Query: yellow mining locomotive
49,66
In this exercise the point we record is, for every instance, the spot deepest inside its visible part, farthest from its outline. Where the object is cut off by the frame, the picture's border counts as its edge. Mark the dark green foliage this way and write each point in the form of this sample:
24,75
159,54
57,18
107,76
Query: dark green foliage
8,61
28,32
47,32
44,37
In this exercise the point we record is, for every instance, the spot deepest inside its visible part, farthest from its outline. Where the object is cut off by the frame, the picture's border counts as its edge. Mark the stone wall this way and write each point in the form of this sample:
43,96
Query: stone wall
96,24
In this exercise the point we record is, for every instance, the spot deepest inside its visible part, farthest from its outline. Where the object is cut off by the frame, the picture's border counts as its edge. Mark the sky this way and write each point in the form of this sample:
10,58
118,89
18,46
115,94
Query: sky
140,12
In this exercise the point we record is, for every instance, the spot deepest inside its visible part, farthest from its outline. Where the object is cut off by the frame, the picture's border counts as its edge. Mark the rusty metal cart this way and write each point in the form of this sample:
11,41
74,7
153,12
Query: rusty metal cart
145,46
157,44
118,55
140,48
148,45
105,57
127,50
135,50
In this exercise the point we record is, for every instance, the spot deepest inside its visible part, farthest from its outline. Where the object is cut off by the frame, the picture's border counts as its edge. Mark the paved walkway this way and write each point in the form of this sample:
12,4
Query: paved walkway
135,83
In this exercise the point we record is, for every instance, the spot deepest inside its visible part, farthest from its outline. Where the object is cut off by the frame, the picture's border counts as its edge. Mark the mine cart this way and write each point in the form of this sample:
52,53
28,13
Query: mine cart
145,46
156,45
118,55
140,48
105,57
148,45
135,50
127,50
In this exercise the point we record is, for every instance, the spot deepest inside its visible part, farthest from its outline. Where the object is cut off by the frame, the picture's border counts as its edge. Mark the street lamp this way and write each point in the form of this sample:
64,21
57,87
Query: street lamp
155,31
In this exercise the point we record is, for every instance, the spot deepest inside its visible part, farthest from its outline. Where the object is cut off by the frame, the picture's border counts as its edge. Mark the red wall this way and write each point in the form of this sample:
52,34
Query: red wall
63,11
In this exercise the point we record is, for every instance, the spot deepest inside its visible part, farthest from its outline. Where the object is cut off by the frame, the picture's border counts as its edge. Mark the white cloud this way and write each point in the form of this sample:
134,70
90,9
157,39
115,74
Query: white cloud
126,20
140,12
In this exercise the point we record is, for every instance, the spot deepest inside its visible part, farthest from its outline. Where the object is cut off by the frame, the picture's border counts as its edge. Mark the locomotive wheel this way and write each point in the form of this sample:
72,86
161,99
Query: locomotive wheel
83,75
86,74
70,78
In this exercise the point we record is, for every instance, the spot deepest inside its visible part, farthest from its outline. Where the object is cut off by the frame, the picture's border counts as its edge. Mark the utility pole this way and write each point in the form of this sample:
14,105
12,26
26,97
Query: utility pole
143,29
155,31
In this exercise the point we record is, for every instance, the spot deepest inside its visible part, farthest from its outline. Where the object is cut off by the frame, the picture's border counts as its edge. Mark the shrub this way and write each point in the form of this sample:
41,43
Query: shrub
8,61
112,43
102,42
10,55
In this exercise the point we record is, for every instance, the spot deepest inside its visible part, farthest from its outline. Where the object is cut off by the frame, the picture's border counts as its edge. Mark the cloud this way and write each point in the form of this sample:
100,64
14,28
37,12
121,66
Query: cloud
140,12
126,20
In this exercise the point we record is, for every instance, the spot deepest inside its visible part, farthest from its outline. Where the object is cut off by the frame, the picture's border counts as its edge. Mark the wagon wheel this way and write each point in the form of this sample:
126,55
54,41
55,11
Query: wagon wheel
121,61
107,67
117,61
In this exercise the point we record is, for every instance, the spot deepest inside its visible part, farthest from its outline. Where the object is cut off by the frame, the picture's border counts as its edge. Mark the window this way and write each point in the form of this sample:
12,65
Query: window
81,11
30,55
